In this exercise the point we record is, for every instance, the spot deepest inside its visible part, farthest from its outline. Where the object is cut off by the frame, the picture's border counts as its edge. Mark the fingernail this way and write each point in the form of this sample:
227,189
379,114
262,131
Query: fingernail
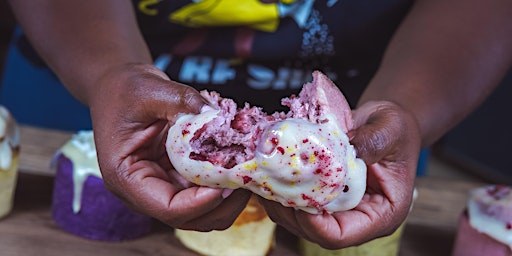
350,135
226,192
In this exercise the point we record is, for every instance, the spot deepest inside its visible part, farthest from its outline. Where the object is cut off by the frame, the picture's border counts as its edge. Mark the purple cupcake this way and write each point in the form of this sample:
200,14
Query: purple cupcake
82,205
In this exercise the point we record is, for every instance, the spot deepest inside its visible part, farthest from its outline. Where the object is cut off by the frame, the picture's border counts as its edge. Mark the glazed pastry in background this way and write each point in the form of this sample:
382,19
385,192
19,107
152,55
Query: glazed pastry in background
485,227
9,152
384,246
82,205
301,159
252,234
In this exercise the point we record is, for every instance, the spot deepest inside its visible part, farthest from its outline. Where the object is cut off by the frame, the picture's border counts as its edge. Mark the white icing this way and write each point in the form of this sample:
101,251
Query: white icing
297,163
80,149
5,155
9,139
484,223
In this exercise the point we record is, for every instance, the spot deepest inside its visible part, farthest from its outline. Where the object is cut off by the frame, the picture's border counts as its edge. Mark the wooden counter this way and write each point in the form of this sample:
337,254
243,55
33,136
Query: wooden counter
30,230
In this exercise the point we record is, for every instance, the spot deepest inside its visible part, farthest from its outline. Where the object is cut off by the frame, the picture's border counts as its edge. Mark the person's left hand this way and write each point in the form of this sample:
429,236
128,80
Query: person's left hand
387,138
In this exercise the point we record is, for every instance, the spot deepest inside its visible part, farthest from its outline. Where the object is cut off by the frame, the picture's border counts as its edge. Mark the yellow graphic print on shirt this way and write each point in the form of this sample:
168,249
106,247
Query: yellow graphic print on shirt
146,7
253,13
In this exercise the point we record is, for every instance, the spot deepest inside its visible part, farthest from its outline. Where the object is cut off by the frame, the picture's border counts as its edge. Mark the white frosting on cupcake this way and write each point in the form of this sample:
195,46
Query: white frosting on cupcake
81,150
9,139
489,210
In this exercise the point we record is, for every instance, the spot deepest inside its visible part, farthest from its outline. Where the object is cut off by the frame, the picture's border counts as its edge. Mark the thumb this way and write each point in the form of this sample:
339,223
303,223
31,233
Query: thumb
377,130
174,97
182,99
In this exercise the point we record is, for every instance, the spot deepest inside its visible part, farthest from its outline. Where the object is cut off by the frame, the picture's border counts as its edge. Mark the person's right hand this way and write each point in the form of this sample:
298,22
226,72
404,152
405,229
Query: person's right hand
131,112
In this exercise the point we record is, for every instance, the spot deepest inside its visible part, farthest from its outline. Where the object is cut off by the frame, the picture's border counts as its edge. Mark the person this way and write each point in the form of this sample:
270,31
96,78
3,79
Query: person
410,69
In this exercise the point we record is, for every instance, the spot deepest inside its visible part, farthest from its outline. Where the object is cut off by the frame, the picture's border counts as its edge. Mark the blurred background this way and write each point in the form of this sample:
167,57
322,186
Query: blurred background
7,23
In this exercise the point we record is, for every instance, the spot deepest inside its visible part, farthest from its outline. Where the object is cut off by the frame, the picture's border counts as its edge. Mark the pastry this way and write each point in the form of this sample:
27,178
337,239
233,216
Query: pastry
9,152
485,226
301,159
252,234
82,205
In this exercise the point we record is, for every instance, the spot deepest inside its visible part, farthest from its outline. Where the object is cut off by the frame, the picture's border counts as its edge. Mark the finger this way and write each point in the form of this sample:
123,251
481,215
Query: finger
380,212
178,181
376,137
349,228
154,93
223,216
167,99
346,229
323,229
284,216
183,99
147,188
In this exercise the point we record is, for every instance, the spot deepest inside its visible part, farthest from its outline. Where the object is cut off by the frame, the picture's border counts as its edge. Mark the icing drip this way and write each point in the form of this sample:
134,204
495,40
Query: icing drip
9,139
82,153
5,156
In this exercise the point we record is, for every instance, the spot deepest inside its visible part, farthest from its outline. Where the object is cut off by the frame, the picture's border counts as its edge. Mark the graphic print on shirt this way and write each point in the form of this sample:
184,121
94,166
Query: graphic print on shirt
248,20
262,15
268,48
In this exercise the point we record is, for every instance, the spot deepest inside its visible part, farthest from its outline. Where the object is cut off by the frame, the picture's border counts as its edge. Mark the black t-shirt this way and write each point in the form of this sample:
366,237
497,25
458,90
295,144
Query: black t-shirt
259,51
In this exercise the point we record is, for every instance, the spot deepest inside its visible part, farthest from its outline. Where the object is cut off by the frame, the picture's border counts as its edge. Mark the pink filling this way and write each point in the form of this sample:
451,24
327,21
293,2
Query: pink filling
231,138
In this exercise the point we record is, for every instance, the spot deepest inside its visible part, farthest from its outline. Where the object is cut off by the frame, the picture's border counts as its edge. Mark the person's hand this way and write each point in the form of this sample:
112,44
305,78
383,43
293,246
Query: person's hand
131,112
387,138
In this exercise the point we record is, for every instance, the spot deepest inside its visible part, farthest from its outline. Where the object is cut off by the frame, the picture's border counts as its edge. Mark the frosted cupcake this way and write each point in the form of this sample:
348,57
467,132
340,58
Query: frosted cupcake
252,234
485,227
9,152
384,246
82,205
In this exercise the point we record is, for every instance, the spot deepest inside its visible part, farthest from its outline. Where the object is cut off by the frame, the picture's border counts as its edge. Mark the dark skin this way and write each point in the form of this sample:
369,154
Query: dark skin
446,57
